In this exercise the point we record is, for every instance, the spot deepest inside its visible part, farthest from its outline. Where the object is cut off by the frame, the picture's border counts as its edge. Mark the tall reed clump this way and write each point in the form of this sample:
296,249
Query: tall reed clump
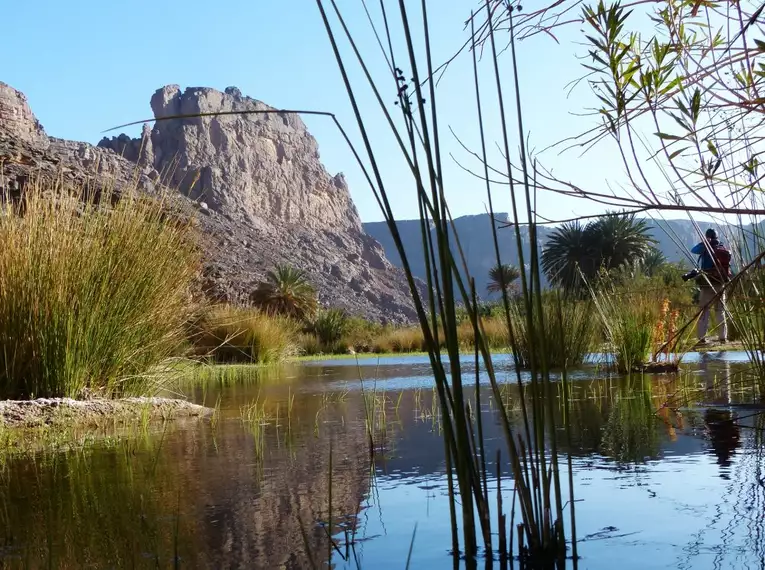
569,326
226,333
628,322
533,453
93,297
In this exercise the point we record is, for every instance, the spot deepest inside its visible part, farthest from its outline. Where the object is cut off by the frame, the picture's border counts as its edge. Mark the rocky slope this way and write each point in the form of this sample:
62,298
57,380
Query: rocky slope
256,181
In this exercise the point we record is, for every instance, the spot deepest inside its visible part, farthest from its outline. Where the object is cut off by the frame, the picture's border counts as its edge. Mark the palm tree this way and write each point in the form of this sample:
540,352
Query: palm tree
653,261
575,252
567,254
620,239
502,277
286,291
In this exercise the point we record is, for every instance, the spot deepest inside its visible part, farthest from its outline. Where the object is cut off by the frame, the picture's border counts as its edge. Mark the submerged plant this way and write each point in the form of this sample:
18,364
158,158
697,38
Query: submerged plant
93,296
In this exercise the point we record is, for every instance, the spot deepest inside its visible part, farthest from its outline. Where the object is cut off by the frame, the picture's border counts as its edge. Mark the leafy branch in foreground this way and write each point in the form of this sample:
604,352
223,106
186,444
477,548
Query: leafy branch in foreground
681,104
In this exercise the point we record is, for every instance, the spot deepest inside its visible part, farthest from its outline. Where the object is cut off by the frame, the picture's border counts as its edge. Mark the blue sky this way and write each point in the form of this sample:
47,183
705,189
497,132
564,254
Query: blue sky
90,65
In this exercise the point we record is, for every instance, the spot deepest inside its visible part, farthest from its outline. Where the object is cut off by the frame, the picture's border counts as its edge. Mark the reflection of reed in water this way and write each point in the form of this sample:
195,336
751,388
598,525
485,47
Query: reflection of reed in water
93,508
630,434
209,496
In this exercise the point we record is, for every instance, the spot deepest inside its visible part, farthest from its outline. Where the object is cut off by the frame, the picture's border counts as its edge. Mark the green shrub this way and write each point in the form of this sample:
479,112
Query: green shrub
308,344
240,334
329,326
93,297
360,334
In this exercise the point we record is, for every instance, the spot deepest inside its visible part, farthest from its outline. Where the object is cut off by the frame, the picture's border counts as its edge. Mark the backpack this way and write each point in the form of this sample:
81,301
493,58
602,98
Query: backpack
720,273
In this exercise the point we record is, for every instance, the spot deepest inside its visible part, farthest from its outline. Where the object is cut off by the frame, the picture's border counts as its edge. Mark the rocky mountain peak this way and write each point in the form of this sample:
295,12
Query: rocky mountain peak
261,195
263,167
17,118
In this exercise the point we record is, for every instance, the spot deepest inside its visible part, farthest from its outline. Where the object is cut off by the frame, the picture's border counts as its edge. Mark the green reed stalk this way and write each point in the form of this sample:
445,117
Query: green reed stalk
419,146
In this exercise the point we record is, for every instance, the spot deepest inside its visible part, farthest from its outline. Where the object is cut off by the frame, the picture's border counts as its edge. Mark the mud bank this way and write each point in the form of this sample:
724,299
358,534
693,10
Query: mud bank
66,411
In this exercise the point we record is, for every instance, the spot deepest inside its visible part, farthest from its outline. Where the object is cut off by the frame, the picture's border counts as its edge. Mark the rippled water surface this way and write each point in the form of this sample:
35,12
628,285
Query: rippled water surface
667,474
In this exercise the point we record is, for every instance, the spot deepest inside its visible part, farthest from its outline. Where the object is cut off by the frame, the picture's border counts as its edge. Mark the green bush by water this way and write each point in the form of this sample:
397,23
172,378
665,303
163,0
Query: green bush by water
329,326
92,298
628,323
240,334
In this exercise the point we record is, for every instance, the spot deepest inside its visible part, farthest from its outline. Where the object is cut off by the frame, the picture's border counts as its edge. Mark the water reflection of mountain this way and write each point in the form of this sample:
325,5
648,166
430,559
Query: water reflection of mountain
204,494
225,498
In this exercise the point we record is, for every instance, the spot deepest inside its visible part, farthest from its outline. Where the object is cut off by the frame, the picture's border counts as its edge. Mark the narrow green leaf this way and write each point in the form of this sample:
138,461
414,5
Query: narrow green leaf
677,153
668,137
675,83
681,122
696,105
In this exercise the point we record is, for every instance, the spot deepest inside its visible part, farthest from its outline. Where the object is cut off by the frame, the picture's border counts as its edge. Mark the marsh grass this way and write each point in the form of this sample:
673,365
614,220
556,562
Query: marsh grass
94,297
257,420
629,324
226,333
569,326
534,464
405,339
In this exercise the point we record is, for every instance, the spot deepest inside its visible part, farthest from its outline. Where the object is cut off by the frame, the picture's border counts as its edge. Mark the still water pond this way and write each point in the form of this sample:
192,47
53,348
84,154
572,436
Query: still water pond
668,474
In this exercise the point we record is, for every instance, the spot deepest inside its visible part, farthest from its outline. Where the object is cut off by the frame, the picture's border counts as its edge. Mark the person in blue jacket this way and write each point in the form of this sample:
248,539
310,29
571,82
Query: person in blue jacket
715,271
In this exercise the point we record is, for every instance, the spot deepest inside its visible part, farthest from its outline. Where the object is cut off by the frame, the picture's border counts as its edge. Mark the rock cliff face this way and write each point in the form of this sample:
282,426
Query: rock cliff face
259,167
256,182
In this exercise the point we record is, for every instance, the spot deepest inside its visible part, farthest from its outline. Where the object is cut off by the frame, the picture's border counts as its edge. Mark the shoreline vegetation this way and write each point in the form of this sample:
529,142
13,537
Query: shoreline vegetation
97,295
97,299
